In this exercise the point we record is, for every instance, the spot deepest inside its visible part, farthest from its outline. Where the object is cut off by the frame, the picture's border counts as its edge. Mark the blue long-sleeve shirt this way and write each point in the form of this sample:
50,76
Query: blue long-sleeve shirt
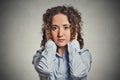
73,65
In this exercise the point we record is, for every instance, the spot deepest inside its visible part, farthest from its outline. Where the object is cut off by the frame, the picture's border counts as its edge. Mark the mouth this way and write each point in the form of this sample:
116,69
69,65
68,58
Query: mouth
61,40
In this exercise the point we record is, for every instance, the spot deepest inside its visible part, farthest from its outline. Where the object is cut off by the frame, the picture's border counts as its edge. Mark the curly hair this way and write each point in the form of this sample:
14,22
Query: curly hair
74,18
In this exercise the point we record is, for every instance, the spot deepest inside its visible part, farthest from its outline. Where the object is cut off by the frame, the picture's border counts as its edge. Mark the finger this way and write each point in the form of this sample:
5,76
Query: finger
76,36
48,34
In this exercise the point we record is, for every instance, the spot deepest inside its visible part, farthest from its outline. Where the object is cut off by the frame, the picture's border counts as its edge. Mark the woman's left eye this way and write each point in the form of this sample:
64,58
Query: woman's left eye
66,27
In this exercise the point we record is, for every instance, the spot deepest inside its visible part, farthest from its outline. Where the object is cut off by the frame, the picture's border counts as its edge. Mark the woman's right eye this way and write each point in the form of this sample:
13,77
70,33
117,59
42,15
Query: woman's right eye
54,28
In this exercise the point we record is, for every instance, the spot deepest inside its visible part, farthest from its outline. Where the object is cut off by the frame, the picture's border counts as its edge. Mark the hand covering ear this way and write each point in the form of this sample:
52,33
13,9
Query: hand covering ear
48,33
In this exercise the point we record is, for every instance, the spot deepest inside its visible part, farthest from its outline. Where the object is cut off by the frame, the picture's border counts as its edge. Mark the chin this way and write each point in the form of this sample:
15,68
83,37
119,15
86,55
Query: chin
61,45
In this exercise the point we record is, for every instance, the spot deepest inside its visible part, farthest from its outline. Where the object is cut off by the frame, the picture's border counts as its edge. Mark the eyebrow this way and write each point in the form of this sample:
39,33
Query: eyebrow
63,25
66,24
54,25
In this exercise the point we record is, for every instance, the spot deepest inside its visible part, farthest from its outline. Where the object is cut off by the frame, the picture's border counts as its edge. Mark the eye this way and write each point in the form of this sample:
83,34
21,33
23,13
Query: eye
54,28
66,27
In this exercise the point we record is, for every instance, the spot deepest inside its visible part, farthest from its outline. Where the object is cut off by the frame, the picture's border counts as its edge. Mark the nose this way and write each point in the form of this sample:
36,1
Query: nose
60,33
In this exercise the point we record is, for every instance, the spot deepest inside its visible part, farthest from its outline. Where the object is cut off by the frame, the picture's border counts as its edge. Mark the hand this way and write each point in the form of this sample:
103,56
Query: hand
50,46
73,46
76,36
48,34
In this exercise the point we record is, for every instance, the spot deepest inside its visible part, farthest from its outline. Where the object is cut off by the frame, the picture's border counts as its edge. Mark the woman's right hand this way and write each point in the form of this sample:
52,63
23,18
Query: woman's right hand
50,46
48,34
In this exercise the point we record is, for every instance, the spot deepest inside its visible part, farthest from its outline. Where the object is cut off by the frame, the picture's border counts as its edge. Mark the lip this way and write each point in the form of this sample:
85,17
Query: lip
61,40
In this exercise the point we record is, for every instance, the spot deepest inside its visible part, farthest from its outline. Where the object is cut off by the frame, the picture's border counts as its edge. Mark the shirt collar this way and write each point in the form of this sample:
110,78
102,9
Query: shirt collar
64,55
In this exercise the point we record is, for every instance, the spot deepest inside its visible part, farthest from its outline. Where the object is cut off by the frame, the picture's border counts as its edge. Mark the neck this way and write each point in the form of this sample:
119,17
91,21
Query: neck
61,50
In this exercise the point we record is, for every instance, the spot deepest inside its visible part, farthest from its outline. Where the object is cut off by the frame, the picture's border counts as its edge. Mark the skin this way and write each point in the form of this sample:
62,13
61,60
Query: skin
60,32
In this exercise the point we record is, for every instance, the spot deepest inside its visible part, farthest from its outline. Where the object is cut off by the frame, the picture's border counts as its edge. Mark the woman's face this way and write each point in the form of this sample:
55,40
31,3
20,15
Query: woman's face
60,30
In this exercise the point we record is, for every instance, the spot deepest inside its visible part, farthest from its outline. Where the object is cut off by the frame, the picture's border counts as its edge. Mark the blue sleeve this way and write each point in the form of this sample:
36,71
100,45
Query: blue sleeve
43,61
79,60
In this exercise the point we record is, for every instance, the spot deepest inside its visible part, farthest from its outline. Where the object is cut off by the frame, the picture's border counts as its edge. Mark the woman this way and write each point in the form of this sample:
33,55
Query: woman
62,56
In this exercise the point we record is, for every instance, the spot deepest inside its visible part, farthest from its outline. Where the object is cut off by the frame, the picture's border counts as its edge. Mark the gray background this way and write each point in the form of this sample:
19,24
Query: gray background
20,36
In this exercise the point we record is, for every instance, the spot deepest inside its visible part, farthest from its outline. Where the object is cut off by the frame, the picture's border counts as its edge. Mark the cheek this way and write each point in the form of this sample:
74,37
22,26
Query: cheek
54,35
68,36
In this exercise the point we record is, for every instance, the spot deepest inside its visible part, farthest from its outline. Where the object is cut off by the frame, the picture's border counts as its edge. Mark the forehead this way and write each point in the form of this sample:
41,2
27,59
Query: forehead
60,19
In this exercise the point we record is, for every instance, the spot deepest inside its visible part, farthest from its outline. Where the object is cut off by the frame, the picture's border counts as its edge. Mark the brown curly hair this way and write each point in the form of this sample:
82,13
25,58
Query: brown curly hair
74,18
